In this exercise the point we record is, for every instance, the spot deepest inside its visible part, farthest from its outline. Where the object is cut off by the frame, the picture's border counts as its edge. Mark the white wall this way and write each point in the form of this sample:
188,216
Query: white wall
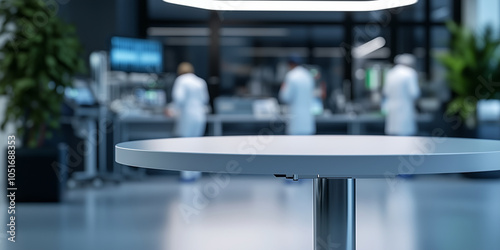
477,14
3,148
488,13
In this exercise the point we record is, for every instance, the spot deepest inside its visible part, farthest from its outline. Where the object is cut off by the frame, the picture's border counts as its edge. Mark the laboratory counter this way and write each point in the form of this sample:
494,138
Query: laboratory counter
131,127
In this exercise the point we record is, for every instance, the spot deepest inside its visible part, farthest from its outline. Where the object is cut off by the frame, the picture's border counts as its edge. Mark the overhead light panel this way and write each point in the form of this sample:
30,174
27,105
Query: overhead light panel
369,47
292,5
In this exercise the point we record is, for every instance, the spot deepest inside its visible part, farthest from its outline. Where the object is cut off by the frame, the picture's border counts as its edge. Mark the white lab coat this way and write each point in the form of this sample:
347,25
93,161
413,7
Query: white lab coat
401,90
298,92
190,96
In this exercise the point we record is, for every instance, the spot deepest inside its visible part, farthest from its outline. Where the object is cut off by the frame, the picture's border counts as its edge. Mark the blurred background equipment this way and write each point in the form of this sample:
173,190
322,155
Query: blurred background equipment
136,55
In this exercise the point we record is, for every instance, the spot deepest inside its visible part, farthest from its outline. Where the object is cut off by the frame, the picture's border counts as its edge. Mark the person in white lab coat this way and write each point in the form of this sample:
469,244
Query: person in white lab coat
190,97
401,91
298,92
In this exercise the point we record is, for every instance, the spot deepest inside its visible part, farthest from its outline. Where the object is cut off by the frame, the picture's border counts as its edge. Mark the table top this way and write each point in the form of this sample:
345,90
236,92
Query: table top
313,156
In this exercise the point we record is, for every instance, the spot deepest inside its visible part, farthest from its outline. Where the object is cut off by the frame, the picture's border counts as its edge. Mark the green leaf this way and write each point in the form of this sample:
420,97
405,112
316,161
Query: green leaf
54,123
7,60
32,142
22,60
22,84
50,61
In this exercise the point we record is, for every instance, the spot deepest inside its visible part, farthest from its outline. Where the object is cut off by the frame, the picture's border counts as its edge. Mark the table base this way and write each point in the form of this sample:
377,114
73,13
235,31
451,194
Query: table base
334,214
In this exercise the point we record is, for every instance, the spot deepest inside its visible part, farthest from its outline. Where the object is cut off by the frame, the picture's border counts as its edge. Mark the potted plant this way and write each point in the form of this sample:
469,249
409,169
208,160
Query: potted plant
40,56
472,70
473,74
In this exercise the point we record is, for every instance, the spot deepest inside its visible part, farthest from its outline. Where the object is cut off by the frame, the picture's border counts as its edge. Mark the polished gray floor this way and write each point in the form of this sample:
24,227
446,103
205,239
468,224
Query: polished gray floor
444,212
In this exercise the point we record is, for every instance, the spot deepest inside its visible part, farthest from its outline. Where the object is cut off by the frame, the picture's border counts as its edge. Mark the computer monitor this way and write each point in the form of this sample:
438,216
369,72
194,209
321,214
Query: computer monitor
80,94
136,55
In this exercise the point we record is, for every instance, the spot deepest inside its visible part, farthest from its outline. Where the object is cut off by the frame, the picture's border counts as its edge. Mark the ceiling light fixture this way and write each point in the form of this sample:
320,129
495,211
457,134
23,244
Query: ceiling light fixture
369,47
292,5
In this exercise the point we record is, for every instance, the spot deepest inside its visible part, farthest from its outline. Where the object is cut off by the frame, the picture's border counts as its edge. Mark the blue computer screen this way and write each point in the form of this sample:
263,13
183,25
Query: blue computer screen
136,55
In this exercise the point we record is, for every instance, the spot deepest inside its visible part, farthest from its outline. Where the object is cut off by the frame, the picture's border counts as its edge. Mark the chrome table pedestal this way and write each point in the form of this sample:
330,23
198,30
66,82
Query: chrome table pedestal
334,214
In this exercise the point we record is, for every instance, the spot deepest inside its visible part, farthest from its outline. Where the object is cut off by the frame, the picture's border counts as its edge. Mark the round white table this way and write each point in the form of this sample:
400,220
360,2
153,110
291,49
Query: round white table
334,162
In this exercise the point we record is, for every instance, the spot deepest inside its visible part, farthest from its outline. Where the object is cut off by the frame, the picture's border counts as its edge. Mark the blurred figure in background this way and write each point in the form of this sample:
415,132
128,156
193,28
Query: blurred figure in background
401,90
298,92
190,97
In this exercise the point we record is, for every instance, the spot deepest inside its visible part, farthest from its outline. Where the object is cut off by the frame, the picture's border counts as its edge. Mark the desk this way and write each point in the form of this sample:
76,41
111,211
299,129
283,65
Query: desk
334,162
